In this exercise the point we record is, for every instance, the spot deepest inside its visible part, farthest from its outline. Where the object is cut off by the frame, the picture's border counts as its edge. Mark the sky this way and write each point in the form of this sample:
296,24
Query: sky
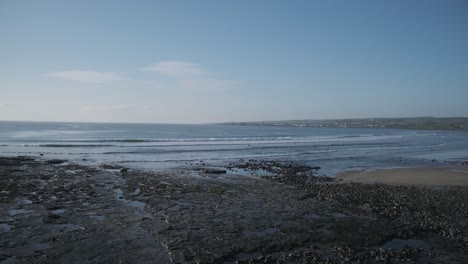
219,61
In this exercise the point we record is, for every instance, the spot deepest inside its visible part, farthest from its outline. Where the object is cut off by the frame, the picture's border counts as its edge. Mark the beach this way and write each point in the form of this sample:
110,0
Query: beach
425,176
56,211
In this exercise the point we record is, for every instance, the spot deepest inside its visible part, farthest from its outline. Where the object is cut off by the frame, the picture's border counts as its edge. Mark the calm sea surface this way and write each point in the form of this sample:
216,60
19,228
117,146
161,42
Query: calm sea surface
162,146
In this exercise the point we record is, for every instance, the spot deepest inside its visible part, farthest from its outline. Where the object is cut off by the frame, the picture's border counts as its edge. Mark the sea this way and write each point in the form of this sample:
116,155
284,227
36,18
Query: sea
170,146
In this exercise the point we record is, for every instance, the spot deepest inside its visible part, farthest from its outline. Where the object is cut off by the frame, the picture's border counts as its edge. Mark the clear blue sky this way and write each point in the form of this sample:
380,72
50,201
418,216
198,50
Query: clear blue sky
212,61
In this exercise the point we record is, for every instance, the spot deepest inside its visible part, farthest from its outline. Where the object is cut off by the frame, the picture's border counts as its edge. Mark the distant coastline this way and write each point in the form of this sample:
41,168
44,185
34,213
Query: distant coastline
428,123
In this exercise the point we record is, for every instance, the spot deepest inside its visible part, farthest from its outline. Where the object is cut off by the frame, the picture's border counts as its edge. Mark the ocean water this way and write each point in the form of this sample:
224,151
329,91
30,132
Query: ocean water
166,146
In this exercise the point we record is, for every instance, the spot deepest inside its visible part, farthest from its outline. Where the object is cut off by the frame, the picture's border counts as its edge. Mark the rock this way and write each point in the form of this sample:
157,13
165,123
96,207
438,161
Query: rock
55,161
213,171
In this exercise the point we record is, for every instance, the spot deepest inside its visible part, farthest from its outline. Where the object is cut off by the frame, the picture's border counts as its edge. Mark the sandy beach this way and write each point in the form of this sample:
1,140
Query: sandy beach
426,176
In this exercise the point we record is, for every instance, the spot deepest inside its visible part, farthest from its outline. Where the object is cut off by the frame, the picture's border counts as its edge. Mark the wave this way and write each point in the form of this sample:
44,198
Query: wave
169,151
60,145
168,142
74,145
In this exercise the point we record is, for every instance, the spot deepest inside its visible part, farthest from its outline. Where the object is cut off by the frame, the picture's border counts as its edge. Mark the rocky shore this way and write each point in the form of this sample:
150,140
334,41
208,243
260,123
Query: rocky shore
269,212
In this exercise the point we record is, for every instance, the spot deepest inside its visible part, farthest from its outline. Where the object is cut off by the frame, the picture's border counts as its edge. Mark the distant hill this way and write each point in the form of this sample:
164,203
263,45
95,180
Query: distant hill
446,123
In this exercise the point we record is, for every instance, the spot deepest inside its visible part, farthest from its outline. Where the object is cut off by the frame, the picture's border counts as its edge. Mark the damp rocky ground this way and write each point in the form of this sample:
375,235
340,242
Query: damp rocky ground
249,212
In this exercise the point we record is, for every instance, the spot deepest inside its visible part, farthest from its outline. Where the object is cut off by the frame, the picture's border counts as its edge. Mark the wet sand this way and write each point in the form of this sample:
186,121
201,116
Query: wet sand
427,176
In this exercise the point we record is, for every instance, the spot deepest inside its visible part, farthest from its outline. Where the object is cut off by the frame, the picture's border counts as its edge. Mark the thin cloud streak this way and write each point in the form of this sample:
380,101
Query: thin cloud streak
176,69
189,76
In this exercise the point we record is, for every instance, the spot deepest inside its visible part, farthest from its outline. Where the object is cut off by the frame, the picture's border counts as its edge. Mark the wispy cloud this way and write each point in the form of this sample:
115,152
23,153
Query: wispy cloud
86,76
176,69
179,75
189,75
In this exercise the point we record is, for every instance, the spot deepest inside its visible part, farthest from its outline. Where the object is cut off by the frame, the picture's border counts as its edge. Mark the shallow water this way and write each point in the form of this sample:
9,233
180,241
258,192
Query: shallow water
118,193
163,146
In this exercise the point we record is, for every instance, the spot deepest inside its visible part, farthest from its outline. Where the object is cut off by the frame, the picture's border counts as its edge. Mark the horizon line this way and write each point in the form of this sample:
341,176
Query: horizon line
225,122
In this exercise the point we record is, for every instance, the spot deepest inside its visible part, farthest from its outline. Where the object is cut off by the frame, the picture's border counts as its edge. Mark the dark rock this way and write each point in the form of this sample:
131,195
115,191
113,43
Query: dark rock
55,161
15,161
213,171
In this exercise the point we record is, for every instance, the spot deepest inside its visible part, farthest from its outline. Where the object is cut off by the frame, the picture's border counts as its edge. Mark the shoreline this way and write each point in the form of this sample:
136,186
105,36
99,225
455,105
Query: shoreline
58,212
422,176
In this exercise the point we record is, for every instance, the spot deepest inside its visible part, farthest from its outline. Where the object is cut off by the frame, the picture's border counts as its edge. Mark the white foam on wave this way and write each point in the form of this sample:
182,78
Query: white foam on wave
138,143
